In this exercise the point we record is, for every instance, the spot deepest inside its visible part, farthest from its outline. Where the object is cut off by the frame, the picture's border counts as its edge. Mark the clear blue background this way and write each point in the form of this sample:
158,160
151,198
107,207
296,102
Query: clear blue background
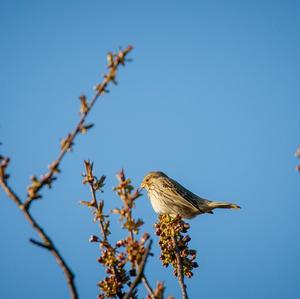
212,99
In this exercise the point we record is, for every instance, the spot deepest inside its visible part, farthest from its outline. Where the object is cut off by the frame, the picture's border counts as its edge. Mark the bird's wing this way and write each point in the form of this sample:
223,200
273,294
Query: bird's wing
182,192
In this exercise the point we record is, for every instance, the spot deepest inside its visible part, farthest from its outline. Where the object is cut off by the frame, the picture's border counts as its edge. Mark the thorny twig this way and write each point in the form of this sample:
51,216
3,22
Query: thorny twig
114,60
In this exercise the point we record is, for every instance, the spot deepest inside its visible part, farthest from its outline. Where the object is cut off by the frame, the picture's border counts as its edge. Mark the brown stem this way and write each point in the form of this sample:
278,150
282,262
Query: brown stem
46,241
180,271
103,230
140,273
38,243
148,287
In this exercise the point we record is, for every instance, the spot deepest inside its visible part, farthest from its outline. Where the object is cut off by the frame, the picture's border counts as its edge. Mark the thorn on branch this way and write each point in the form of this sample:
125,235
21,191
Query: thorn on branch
84,129
54,167
94,239
40,244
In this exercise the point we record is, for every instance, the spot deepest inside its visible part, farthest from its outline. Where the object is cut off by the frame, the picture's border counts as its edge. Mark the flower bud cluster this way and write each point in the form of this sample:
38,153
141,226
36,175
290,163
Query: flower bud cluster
173,239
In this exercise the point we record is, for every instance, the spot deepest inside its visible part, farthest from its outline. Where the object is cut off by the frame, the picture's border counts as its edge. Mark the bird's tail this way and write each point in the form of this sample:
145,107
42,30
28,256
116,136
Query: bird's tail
223,205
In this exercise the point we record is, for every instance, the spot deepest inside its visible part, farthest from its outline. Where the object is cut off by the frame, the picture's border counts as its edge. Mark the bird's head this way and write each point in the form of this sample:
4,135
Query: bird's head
151,178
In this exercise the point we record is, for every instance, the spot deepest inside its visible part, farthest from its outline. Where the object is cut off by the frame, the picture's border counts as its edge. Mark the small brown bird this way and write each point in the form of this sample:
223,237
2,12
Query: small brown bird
168,197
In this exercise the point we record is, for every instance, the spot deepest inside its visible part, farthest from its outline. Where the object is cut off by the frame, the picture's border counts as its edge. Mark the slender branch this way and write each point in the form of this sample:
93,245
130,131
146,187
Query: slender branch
180,271
101,88
46,241
140,273
94,202
148,287
13,196
38,243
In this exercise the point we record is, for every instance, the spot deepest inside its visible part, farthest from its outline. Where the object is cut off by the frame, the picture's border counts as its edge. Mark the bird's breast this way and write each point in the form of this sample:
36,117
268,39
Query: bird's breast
157,202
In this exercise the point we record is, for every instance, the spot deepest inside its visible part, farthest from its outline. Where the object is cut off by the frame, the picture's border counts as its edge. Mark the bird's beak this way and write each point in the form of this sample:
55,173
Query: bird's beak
143,185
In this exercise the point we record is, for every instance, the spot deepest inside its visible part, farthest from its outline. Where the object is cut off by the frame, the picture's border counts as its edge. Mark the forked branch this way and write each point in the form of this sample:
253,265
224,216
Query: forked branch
46,243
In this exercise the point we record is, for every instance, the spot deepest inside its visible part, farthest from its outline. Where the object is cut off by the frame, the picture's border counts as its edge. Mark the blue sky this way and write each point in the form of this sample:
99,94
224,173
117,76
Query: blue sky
211,98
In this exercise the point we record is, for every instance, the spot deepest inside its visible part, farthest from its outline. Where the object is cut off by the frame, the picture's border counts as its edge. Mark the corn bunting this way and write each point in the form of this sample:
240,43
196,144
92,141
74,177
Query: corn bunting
168,197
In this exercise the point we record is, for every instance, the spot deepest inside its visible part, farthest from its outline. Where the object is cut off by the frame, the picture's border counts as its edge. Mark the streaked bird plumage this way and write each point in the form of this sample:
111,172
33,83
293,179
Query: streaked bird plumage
169,197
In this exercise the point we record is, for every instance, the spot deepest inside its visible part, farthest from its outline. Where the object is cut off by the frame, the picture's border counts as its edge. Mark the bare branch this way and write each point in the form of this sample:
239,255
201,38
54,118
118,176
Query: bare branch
10,193
38,243
180,271
148,287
